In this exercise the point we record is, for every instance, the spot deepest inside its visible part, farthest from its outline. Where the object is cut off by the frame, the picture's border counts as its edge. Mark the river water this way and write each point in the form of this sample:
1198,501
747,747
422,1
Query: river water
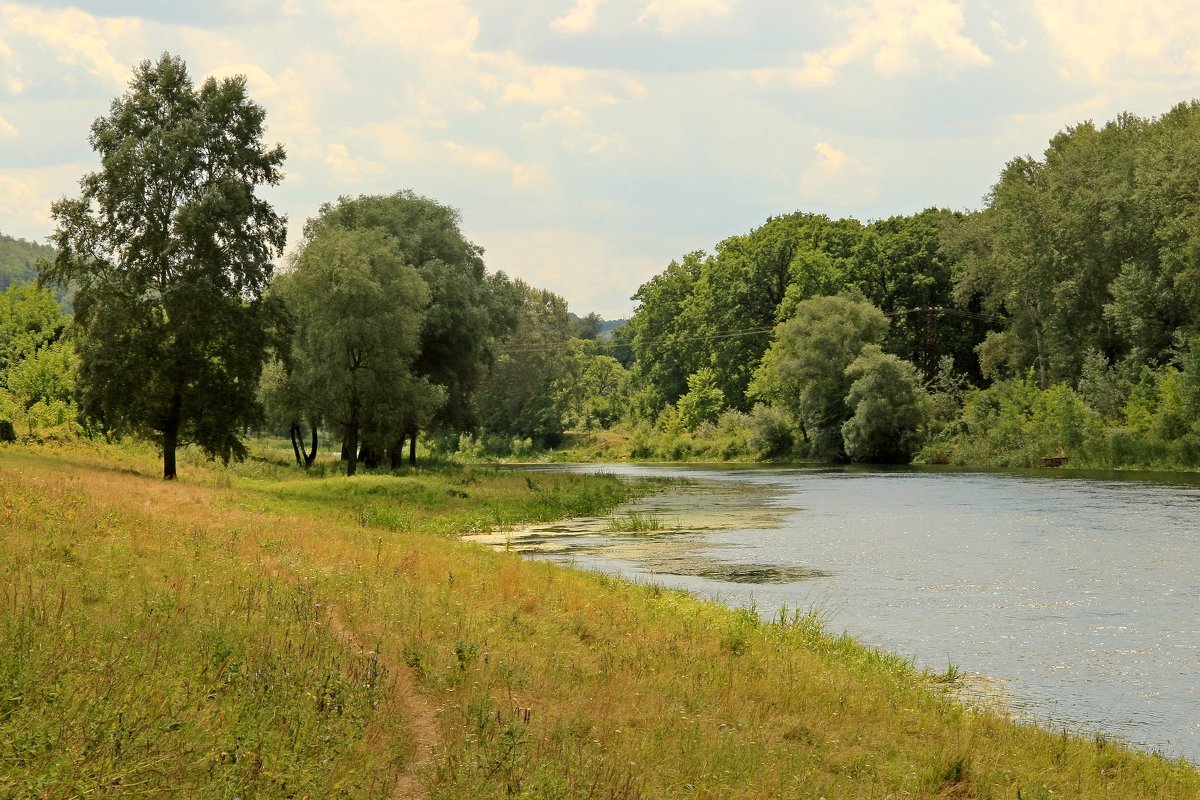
1073,598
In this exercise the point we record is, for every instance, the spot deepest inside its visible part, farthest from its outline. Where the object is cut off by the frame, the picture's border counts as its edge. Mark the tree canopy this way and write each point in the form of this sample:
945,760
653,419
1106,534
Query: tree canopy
358,310
467,309
171,250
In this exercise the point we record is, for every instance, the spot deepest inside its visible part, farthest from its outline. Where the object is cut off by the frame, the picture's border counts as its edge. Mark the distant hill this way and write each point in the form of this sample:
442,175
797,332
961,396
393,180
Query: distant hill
609,325
17,260
18,265
592,326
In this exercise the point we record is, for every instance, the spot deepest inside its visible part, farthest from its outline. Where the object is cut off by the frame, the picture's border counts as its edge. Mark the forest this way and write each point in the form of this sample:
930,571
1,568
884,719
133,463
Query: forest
1056,324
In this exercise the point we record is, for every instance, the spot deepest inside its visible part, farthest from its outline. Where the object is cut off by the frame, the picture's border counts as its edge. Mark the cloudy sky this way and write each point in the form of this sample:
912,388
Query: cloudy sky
589,142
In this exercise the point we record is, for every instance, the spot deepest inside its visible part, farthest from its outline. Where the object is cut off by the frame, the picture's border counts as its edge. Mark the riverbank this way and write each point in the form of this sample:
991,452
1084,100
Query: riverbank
253,631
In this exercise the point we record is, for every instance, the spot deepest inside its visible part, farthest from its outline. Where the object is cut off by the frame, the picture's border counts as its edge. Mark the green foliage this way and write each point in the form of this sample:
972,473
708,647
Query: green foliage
889,408
770,431
1016,424
1101,387
358,310
703,401
1091,249
593,391
19,259
468,311
805,370
171,250
37,366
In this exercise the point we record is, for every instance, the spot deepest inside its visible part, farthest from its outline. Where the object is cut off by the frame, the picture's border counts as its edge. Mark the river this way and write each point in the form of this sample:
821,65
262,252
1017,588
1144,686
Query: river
1074,598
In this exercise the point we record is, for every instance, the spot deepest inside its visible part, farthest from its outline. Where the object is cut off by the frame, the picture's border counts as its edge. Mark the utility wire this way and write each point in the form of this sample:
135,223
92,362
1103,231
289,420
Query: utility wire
530,348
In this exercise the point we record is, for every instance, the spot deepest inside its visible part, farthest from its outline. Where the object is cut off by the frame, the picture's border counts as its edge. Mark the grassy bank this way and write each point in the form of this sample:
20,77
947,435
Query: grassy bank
254,632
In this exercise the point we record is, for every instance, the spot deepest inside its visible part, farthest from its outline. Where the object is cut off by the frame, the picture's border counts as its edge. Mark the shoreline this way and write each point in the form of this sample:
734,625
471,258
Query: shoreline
551,679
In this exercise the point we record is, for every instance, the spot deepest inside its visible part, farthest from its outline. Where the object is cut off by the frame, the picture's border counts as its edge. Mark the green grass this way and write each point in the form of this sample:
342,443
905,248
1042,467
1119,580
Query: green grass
635,522
181,639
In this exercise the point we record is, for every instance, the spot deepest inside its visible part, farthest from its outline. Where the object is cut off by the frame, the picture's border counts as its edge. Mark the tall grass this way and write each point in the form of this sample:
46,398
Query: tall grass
180,639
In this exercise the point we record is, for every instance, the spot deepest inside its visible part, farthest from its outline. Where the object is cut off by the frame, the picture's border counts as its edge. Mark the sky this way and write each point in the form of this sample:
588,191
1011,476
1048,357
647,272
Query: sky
587,143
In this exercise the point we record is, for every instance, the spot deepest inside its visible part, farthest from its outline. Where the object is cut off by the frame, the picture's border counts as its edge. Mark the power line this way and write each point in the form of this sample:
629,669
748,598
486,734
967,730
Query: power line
534,348
538,348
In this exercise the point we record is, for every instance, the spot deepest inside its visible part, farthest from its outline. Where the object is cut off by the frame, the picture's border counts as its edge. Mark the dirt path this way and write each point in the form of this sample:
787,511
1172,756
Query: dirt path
194,504
417,710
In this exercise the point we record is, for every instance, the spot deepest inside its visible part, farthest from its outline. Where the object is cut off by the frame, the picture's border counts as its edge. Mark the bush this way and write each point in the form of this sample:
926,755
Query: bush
770,431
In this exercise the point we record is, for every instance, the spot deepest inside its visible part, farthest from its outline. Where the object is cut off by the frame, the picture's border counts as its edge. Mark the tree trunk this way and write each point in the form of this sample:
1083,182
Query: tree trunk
412,447
171,434
369,455
170,442
396,453
309,458
1040,343
294,430
351,445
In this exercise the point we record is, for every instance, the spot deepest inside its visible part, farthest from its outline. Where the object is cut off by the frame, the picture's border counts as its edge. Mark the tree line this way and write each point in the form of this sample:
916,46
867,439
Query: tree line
1059,319
383,325
1078,280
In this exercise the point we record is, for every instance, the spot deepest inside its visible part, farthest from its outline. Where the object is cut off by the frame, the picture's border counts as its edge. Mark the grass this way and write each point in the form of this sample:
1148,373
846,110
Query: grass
243,632
635,522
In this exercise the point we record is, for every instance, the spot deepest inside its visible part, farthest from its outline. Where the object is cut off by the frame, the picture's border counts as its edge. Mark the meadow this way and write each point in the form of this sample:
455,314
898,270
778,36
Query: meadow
259,631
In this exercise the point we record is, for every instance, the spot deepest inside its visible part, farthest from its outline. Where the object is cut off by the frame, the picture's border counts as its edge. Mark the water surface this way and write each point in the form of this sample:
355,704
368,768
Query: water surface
1079,597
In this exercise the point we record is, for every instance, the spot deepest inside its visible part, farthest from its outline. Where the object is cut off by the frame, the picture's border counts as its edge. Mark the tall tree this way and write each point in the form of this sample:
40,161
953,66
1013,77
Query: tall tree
357,308
467,310
520,397
805,371
171,250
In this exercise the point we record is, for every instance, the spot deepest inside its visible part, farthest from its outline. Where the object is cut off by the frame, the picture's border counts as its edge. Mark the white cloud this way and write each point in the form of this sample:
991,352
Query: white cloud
259,82
553,86
567,115
522,175
579,19
836,177
8,130
1001,35
349,169
594,144
670,16
444,26
1131,39
894,36
77,38
26,195
594,270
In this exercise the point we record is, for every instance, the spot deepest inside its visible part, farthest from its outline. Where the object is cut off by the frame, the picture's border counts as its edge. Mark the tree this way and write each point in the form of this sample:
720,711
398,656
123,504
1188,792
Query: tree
358,310
594,390
519,397
18,260
171,251
467,311
37,365
666,350
703,401
805,369
889,408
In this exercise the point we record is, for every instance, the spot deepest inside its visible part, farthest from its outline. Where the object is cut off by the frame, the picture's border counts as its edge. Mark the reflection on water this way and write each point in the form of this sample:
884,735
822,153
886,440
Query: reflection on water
1079,595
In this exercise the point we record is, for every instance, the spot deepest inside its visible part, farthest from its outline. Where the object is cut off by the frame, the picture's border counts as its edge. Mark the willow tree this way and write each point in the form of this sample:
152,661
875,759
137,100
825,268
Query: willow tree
805,370
358,310
467,312
171,250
